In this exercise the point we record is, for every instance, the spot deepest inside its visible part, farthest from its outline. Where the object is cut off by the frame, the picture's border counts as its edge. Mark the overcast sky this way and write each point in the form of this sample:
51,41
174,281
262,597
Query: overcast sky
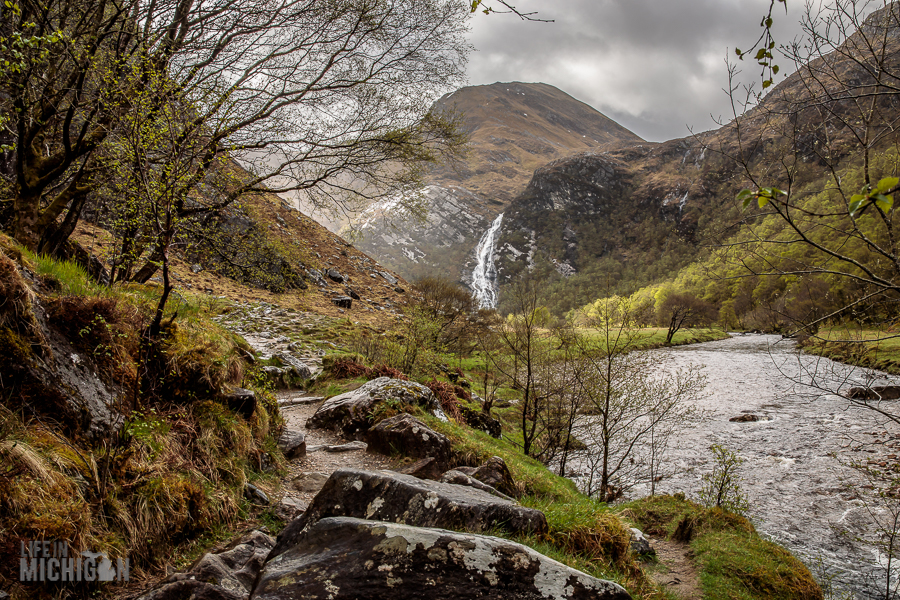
654,66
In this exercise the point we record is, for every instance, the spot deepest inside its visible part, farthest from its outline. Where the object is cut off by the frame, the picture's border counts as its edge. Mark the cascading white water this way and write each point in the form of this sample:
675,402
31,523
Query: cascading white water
484,274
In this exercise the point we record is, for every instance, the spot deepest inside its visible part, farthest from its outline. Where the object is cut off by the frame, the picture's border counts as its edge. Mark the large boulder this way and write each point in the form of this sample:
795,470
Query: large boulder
347,558
494,473
224,576
350,412
404,434
398,498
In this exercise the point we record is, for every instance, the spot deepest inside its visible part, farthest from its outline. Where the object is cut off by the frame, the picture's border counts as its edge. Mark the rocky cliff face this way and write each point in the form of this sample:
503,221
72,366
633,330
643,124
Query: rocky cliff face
603,204
638,213
514,128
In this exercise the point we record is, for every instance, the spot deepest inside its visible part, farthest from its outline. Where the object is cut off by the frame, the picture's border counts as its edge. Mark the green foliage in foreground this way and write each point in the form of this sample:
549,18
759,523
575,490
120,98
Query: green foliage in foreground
735,562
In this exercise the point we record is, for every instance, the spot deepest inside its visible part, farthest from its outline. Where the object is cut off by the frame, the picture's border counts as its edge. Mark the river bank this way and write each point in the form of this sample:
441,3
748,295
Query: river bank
803,492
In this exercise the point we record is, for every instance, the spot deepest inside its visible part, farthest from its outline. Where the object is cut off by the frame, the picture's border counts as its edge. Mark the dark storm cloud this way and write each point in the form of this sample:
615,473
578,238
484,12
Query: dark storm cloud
655,66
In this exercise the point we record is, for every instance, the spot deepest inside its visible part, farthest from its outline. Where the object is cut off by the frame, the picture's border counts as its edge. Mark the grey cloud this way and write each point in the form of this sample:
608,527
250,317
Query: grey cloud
655,66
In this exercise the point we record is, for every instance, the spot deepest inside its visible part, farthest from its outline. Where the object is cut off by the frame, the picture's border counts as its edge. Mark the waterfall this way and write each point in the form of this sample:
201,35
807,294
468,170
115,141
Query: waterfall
484,274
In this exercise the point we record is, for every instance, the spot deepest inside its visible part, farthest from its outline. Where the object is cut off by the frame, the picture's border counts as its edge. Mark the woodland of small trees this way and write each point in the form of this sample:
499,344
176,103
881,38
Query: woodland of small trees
152,119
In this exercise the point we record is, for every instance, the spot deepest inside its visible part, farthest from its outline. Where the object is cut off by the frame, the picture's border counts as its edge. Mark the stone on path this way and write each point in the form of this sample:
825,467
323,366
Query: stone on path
347,558
308,483
350,412
394,497
292,444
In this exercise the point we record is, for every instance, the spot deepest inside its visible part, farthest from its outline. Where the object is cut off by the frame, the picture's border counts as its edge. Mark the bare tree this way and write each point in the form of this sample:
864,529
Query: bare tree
632,403
326,98
524,358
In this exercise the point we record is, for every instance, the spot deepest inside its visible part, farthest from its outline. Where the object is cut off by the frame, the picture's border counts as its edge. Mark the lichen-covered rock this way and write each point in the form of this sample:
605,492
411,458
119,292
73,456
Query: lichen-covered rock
347,558
640,545
229,575
292,444
398,498
351,412
404,434
494,473
457,477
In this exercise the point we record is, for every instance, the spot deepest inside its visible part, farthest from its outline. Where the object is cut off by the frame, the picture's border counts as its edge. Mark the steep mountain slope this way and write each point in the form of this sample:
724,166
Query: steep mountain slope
514,128
264,250
611,221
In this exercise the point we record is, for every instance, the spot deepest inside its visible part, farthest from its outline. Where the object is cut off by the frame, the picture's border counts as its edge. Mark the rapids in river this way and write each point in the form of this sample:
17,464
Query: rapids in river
802,492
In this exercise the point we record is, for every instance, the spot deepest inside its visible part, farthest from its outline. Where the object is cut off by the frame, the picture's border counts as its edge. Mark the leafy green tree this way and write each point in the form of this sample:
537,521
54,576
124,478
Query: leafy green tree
680,309
452,309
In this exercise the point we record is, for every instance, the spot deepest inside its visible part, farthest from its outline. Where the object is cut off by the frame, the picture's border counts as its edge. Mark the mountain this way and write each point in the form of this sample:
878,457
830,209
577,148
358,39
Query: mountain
513,128
611,221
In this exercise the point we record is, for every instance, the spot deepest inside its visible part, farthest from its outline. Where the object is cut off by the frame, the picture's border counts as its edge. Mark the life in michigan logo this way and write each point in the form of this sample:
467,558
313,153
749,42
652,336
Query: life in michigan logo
45,561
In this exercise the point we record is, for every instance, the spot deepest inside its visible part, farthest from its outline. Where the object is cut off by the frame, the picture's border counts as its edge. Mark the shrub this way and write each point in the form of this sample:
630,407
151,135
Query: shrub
447,398
722,487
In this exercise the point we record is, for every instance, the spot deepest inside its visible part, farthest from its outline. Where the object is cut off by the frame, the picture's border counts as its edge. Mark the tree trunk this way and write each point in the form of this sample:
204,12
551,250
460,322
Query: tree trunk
27,215
150,267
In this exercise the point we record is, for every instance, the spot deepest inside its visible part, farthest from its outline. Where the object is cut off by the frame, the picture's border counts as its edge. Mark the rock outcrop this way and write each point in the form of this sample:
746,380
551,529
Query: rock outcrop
348,558
229,575
457,477
44,374
397,498
350,412
495,474
406,435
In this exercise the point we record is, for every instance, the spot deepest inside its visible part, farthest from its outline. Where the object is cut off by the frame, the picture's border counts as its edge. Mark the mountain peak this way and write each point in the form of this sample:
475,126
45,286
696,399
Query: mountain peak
515,128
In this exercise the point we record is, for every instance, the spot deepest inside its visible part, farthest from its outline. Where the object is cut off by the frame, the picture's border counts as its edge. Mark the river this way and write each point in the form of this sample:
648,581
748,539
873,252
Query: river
801,491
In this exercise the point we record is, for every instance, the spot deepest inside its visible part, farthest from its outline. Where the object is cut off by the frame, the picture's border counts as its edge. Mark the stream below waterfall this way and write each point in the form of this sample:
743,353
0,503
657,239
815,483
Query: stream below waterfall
802,493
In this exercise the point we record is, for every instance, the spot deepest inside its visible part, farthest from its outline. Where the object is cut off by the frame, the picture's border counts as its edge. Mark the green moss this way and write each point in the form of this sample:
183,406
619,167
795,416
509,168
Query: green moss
735,562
